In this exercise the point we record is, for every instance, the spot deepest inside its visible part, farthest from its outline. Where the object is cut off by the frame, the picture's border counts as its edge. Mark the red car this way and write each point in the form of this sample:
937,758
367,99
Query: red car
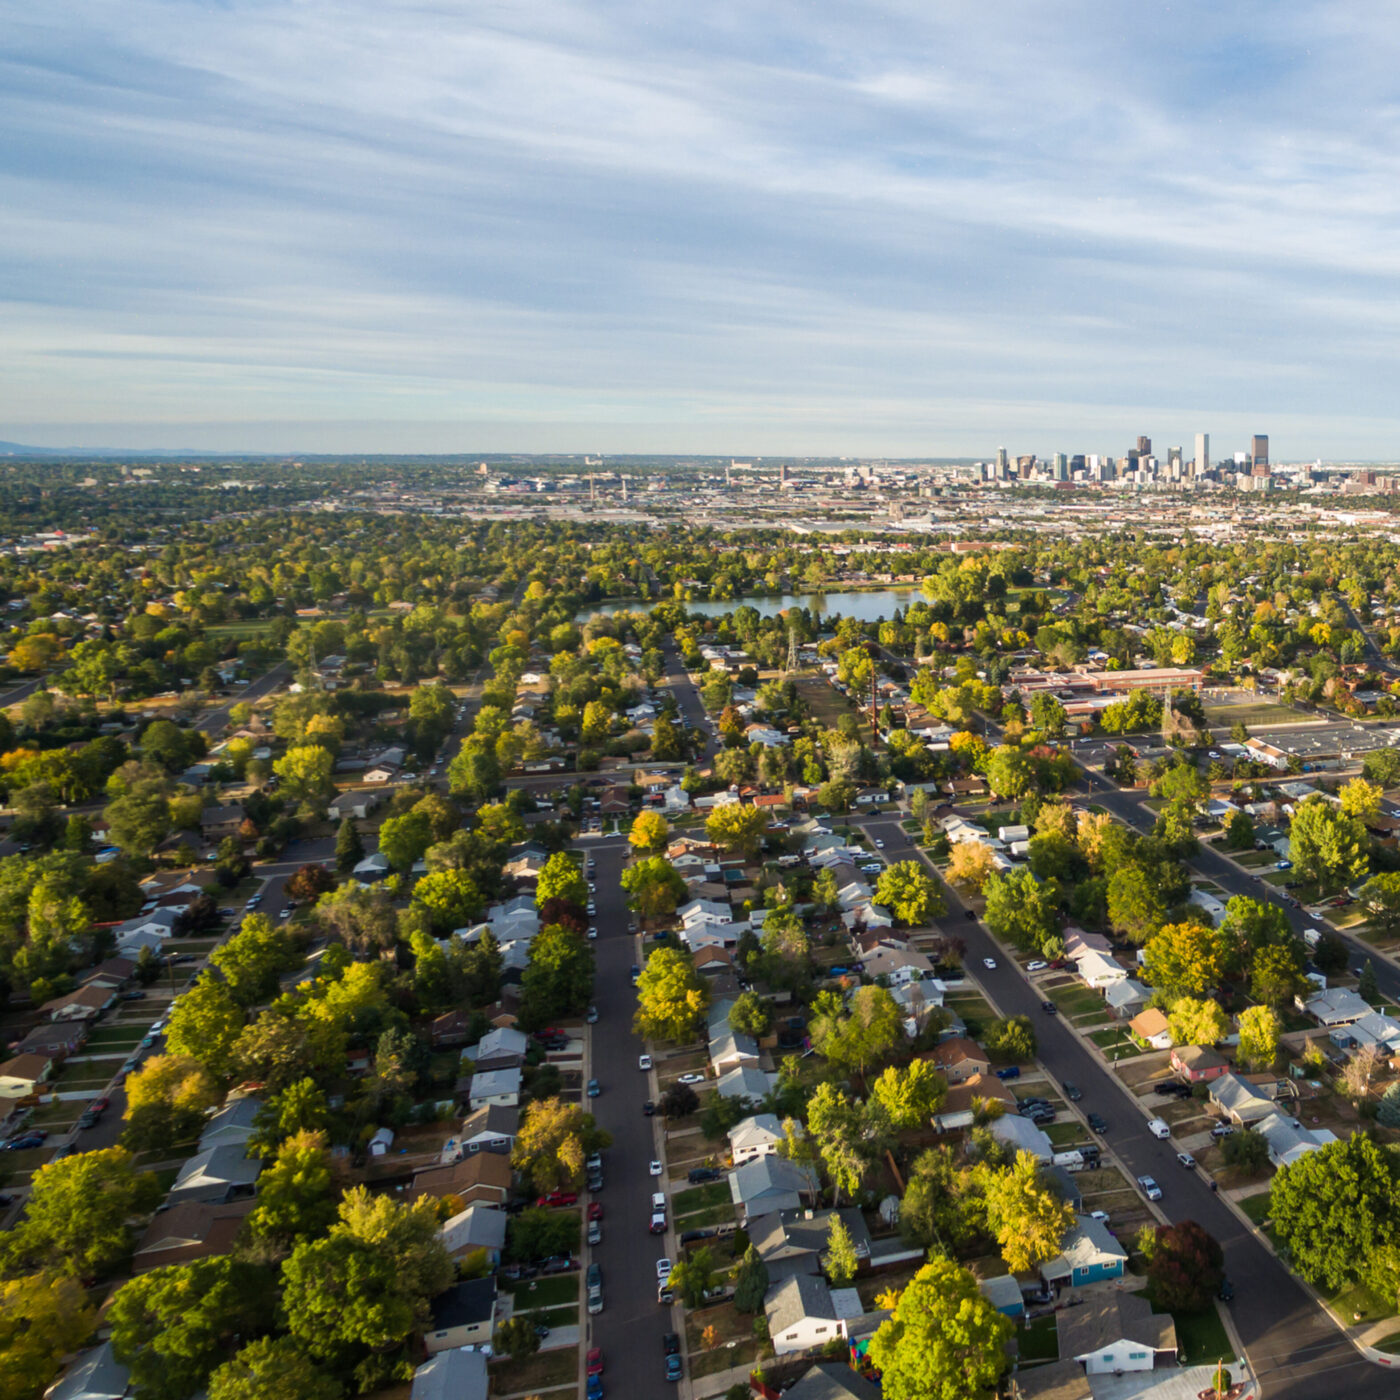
559,1198
99,1105
595,1210
595,1361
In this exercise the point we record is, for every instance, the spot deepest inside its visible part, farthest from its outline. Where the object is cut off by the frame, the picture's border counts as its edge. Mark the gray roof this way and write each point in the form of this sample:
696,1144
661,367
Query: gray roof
1106,1318
829,1380
1240,1099
791,1233
1023,1135
770,1176
232,1123
95,1375
495,1081
470,1301
743,1082
492,1118
802,1295
451,1375
217,1169
478,1227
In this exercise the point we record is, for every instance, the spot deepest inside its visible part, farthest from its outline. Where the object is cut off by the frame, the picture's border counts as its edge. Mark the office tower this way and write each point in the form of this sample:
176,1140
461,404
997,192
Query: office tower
1061,467
1002,462
1144,447
1202,453
1174,457
1025,466
1259,454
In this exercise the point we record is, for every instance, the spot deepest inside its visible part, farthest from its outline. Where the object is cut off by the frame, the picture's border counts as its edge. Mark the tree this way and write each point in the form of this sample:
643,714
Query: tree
174,1325
1361,800
364,920
295,1195
945,1341
1332,1206
656,887
1259,1028
1010,772
750,1282
205,1024
1012,1040
1388,1107
1022,910
305,771
751,1014
938,1210
300,1107
909,1097
1025,1213
1380,899
43,1317
451,898
695,1276
970,865
1366,987
404,840
558,978
826,893
139,820
553,1143
1135,907
77,1219
252,959
538,1232
1197,1022
560,878
649,832
671,996
737,828
349,847
1358,1073
909,892
310,882
679,1101
166,1101
840,1258
1186,1268
1184,960
837,1128
1329,848
855,1041
1247,1149
272,1368
1276,975
516,1337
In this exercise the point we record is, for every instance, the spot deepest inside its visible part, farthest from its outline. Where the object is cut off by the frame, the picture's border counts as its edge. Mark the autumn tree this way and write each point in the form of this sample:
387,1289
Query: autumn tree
1186,1268
971,864
1184,960
671,996
553,1143
166,1102
649,832
909,1097
43,1318
1028,1217
1197,1022
737,828
855,1040
909,892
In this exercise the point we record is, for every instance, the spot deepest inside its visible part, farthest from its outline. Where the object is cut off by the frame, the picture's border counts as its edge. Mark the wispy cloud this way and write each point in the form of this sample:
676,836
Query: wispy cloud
893,228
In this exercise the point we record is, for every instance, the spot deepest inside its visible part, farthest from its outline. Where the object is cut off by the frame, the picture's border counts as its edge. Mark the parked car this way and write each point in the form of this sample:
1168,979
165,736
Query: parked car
1222,1130
1037,965
595,1388
595,1361
1097,1123
595,1232
1150,1189
1072,1092
1186,1160
691,1079
1101,1216
595,1275
671,1343
655,1168
595,1210
663,1269
1172,1089
643,1062
558,1198
1049,1008
592,1017
594,1089
674,1368
697,1175
1227,1291
1009,1072
990,964
649,1108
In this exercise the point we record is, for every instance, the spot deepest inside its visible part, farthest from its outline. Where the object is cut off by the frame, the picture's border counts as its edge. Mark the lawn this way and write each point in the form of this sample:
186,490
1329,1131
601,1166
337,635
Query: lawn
1062,1134
1201,1338
1390,1345
114,1038
1039,1340
1256,1207
1077,1001
713,1193
542,1292
533,1373
1359,1304
710,1215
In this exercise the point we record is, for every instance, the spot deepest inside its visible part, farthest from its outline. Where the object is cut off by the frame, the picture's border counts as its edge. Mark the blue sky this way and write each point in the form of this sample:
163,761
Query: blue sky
888,228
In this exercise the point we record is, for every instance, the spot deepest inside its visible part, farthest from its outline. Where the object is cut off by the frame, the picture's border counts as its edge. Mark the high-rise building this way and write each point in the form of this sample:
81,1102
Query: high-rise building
1060,467
1202,453
1002,462
1144,447
1259,454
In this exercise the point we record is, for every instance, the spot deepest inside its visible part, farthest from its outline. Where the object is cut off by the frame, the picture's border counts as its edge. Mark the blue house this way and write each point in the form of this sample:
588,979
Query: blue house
1004,1294
1090,1254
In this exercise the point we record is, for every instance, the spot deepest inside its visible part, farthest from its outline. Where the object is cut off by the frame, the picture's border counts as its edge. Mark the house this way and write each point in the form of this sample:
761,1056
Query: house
1058,1380
756,1136
372,867
704,911
55,1041
1337,1006
829,1380
1151,1026
1239,1100
1126,998
1114,1332
1078,942
114,972
801,1315
216,1174
232,1124
465,1315
94,1375
22,1076
1288,1140
1021,1135
900,965
1004,1294
1374,1031
771,1183
502,1041
449,1029
495,1086
381,1140
743,1082
355,804
730,1049
1213,908
86,1004
194,1230
157,925
216,823
451,1375
960,1059
917,1001
483,1177
701,936
1099,970
490,1129
1089,1254
1066,1186
794,1241
1198,1064
960,1104
478,1229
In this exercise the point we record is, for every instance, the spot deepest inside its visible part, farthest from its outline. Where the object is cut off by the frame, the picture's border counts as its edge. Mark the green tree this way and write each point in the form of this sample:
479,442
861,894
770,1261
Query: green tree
1010,772
1380,899
1011,1041
1135,906
671,996
516,1337
560,878
737,828
405,840
451,898
939,1209
553,1143
272,1368
908,891
655,885
1331,1208
837,1128
840,1258
300,1107
909,1097
1025,1213
750,1283
945,1341
751,1014
205,1024
253,958
1197,1022
43,1317
349,847
1276,975
1329,848
1021,910
558,979
364,920
139,820
305,771
1366,986
296,1193
1184,960
695,1276
856,1040
1248,1150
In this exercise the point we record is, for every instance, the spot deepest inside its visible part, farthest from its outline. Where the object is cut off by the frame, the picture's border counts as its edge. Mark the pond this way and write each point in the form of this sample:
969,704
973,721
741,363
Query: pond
865,605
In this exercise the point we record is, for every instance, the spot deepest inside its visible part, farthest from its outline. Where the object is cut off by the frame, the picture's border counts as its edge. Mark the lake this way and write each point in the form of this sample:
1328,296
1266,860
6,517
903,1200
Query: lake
865,605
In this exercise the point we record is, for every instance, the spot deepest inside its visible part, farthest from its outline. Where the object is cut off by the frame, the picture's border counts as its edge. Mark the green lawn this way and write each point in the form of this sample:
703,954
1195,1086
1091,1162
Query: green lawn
1201,1338
1256,1207
710,1215
115,1038
1062,1134
551,1292
1359,1304
1077,1001
1039,1340
713,1193
1390,1345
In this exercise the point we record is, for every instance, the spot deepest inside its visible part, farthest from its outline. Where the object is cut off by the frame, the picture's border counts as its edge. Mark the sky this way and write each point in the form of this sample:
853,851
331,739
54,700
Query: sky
884,229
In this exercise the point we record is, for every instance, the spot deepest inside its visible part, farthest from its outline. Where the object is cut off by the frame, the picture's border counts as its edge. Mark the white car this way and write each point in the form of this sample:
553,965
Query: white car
691,1079
644,1062
879,845
990,964
1037,966
592,932
592,909
1101,1216
663,1270
655,1168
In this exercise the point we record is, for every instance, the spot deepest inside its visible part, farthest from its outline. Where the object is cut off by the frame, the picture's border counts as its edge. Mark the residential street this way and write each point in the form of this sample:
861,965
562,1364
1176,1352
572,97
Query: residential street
1294,1349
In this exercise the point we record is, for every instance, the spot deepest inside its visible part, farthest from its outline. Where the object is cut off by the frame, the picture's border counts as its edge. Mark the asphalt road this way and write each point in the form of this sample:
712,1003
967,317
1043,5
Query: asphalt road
632,1324
211,721
688,700
1295,1350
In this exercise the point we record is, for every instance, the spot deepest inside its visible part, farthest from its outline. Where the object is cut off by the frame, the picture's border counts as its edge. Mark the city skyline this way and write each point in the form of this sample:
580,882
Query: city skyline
815,231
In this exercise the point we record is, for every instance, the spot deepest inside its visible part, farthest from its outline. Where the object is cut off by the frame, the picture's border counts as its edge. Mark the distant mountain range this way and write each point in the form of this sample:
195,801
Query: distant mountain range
21,449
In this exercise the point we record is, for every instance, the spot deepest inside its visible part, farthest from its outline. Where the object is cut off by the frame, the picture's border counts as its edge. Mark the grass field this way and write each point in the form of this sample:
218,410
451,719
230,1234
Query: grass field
1201,1338
1039,1340
535,1293
544,1370
713,1193
1253,713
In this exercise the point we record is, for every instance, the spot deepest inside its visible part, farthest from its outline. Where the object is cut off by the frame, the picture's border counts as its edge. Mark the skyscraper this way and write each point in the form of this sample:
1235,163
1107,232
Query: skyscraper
1202,453
1144,447
1259,454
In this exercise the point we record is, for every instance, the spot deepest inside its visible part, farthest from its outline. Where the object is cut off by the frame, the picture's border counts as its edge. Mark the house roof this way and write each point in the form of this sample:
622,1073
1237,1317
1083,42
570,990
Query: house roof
456,1178
980,1086
233,1121
221,1166
829,1380
1125,993
91,997
1106,1318
795,1298
789,1234
477,1227
1022,1134
488,1084
770,1175
26,1067
1198,1057
1337,1005
494,1118
756,1130
1002,1291
1288,1139
1149,1023
94,1375
957,1051
201,1227
742,1082
1060,1380
1240,1098
451,1375
466,1303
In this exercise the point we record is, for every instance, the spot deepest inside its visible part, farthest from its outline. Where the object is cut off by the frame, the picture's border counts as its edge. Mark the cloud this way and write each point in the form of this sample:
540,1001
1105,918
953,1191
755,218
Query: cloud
899,227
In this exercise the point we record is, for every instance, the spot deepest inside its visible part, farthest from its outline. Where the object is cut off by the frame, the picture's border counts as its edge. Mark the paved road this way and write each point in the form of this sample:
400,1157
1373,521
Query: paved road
211,721
632,1324
21,692
688,700
1295,1350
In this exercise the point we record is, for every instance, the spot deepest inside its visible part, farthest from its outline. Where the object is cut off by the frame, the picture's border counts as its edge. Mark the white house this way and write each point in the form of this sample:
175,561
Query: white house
1114,1332
801,1314
1022,1135
496,1086
1099,970
1289,1140
1338,1006
756,1136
